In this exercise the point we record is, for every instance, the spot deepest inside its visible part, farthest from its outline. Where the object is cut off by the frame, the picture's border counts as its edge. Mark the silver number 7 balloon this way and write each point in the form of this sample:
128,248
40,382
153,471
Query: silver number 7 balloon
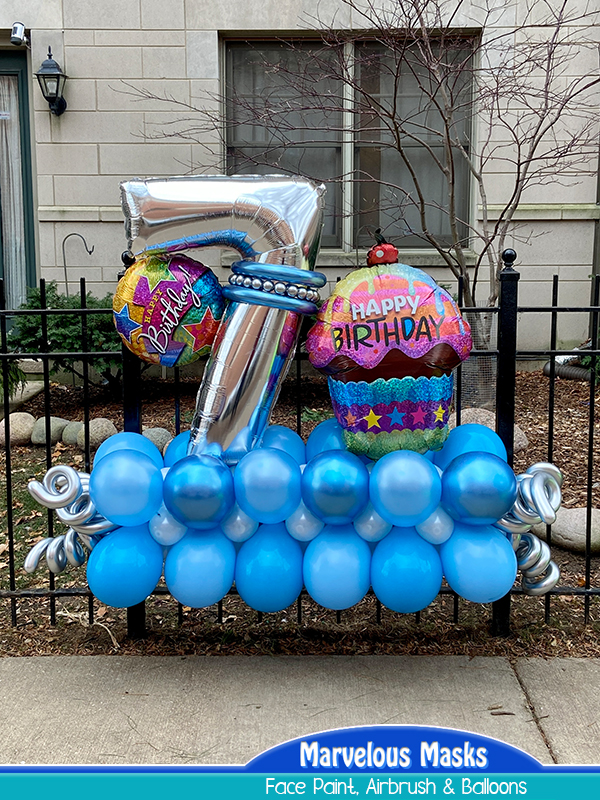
275,223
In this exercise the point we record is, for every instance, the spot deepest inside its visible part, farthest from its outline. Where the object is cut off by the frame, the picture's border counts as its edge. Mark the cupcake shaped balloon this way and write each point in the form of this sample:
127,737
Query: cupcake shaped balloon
389,338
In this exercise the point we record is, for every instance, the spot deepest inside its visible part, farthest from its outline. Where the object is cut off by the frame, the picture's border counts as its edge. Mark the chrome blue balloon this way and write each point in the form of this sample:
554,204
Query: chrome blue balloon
125,566
302,525
165,529
437,528
282,438
326,436
335,487
405,488
478,488
406,571
129,441
199,569
198,491
238,526
268,571
469,438
479,563
177,448
126,487
337,567
267,485
370,526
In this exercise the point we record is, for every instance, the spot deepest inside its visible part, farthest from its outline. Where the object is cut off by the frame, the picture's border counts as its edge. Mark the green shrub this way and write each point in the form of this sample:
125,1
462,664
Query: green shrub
15,378
64,333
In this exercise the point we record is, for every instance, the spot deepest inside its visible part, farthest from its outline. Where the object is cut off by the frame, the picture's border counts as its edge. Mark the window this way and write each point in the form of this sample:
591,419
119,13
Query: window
364,120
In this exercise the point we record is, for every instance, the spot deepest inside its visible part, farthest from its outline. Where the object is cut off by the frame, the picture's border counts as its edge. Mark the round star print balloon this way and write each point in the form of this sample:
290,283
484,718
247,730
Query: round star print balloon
167,309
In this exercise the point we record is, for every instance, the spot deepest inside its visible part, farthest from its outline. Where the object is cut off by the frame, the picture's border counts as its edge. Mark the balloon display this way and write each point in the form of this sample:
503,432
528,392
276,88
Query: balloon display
199,569
268,572
406,571
124,567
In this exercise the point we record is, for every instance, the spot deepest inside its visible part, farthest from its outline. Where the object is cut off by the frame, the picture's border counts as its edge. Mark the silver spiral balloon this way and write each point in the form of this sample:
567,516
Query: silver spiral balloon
538,499
68,492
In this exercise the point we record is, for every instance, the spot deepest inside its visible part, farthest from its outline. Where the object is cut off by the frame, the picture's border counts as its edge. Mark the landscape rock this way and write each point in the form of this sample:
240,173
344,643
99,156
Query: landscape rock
57,426
100,430
481,416
569,529
71,431
158,436
21,426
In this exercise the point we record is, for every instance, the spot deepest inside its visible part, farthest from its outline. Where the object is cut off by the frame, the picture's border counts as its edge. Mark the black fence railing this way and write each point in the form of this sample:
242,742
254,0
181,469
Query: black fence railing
504,359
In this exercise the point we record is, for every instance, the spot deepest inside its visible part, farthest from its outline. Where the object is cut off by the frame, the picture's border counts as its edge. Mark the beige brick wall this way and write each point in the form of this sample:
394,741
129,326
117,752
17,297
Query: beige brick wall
110,49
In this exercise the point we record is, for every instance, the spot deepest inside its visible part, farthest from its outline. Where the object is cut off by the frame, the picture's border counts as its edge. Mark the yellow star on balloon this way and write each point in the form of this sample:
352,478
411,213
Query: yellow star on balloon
372,419
439,414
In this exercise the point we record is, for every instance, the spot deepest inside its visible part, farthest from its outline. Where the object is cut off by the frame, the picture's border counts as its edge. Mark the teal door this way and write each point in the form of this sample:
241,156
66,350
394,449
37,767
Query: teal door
17,245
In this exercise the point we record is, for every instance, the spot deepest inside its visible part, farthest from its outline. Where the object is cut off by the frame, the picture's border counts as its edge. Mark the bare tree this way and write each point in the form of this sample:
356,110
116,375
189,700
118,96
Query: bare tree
447,94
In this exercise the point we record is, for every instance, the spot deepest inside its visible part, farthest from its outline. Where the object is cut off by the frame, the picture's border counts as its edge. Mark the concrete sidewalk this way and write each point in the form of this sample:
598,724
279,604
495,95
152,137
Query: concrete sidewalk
202,710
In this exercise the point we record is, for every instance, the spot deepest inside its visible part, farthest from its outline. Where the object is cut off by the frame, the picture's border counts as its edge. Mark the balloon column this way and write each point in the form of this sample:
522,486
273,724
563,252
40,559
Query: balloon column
291,515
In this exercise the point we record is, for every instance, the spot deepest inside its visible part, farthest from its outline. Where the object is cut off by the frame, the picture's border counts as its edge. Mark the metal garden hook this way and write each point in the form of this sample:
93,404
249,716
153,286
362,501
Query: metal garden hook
89,252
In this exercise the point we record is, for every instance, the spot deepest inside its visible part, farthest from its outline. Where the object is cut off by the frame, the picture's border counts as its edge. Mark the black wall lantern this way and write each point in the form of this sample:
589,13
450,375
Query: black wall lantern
52,83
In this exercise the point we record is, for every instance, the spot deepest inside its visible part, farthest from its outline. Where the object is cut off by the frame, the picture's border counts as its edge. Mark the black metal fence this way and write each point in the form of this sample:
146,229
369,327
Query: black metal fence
505,357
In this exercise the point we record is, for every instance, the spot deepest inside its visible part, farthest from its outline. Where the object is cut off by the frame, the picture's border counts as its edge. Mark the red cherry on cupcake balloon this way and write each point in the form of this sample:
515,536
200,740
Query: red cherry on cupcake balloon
382,252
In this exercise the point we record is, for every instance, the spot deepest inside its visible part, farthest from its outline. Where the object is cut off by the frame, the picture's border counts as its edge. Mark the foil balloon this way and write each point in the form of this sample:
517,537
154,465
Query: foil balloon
388,338
275,223
167,309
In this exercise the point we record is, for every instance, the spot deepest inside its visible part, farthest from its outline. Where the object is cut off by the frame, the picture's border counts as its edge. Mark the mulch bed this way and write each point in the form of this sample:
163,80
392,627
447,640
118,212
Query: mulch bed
172,631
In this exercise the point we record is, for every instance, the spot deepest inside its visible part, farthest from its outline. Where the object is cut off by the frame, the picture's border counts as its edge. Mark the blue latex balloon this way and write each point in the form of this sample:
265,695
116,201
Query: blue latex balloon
125,566
370,526
267,485
177,449
268,571
406,571
238,526
198,491
437,528
165,529
326,436
478,488
405,488
199,569
337,567
302,525
126,487
335,487
469,438
282,438
479,563
129,441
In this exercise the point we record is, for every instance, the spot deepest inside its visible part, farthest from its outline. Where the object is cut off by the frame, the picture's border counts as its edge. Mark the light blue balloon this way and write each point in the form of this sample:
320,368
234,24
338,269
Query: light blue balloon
302,525
129,441
126,487
337,567
479,563
268,572
335,487
238,526
165,529
406,571
267,485
478,488
282,438
199,569
469,438
198,491
328,435
437,528
370,526
125,566
177,448
405,488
